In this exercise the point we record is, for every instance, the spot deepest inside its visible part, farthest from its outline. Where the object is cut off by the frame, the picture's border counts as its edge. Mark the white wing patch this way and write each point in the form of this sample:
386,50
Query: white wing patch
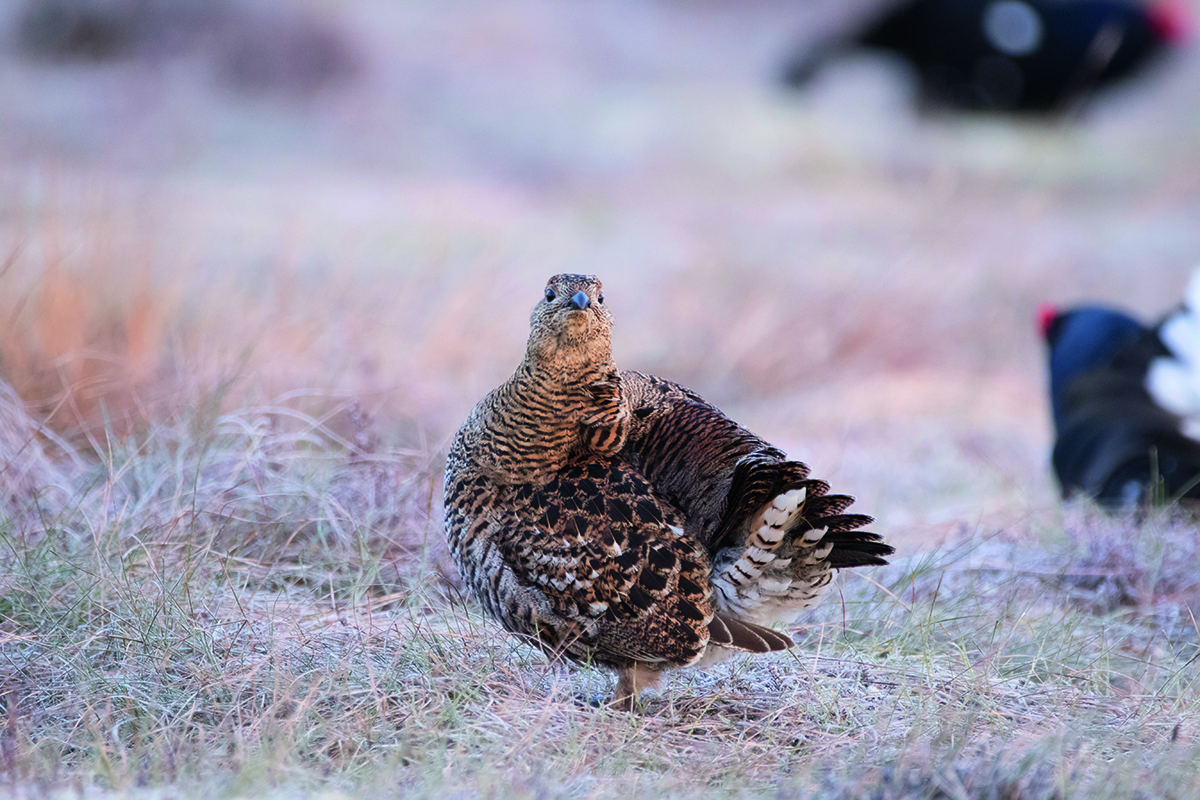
1168,381
1174,381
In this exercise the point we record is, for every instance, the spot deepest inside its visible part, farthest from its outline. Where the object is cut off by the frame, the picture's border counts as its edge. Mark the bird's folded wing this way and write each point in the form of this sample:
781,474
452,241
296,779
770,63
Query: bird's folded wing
687,449
721,475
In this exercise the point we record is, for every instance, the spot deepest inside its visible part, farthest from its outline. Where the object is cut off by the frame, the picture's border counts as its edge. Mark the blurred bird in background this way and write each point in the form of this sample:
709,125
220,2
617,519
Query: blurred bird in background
1126,402
1010,55
264,48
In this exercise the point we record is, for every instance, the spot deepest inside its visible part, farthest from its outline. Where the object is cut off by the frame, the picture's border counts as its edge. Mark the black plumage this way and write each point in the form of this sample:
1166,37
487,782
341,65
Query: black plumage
1010,55
1123,399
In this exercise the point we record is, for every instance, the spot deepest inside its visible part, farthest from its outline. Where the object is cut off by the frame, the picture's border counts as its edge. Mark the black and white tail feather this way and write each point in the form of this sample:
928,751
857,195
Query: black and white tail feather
779,560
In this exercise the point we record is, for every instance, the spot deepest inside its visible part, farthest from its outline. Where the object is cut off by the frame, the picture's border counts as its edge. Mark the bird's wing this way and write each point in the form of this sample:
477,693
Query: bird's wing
720,475
611,557
774,533
688,450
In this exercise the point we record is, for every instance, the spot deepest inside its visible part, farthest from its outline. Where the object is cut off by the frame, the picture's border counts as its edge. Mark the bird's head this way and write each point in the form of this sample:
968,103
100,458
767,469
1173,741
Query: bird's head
1082,339
1047,315
1170,21
570,321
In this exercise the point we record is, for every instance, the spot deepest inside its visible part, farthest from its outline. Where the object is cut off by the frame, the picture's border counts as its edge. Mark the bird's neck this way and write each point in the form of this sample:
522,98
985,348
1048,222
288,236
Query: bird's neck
566,366
537,420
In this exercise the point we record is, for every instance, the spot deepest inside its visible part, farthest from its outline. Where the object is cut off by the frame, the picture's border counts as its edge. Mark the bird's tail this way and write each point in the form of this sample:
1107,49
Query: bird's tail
799,70
781,538
1173,380
731,632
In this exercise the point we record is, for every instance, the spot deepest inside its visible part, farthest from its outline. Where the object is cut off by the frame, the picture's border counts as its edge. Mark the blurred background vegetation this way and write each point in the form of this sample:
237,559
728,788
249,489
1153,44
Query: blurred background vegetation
258,259
361,199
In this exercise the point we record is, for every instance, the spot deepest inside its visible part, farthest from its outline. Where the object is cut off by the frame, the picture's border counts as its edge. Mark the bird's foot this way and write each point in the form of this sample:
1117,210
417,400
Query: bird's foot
589,700
583,700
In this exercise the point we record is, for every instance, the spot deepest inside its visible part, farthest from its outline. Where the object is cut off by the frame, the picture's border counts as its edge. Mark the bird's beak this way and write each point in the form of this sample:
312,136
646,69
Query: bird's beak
579,301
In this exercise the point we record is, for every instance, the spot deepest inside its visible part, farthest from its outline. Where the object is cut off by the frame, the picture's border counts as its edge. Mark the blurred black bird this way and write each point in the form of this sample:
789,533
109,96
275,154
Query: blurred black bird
1011,55
1126,403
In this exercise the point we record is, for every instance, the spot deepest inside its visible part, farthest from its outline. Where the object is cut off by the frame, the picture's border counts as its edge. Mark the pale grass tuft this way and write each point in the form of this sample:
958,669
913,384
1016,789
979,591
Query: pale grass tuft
28,476
255,605
233,597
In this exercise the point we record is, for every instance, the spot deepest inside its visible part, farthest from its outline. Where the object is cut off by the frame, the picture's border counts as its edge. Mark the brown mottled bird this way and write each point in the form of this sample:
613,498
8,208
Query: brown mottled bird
617,518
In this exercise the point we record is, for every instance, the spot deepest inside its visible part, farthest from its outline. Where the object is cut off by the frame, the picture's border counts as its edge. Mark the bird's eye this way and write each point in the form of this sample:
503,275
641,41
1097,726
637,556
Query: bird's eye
600,299
550,295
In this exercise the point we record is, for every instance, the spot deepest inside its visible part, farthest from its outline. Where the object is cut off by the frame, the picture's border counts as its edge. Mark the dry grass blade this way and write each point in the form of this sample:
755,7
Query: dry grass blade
231,613
239,335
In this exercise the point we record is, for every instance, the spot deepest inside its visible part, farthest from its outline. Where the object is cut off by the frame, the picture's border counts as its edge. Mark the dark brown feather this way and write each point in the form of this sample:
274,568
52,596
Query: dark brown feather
754,638
618,518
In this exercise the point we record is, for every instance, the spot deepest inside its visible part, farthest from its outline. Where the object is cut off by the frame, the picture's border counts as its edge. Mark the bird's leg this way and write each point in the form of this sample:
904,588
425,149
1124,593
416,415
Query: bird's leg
630,683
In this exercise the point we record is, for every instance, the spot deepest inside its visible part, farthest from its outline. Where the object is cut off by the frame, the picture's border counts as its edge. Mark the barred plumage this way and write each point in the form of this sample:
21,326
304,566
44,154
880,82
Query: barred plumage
618,518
